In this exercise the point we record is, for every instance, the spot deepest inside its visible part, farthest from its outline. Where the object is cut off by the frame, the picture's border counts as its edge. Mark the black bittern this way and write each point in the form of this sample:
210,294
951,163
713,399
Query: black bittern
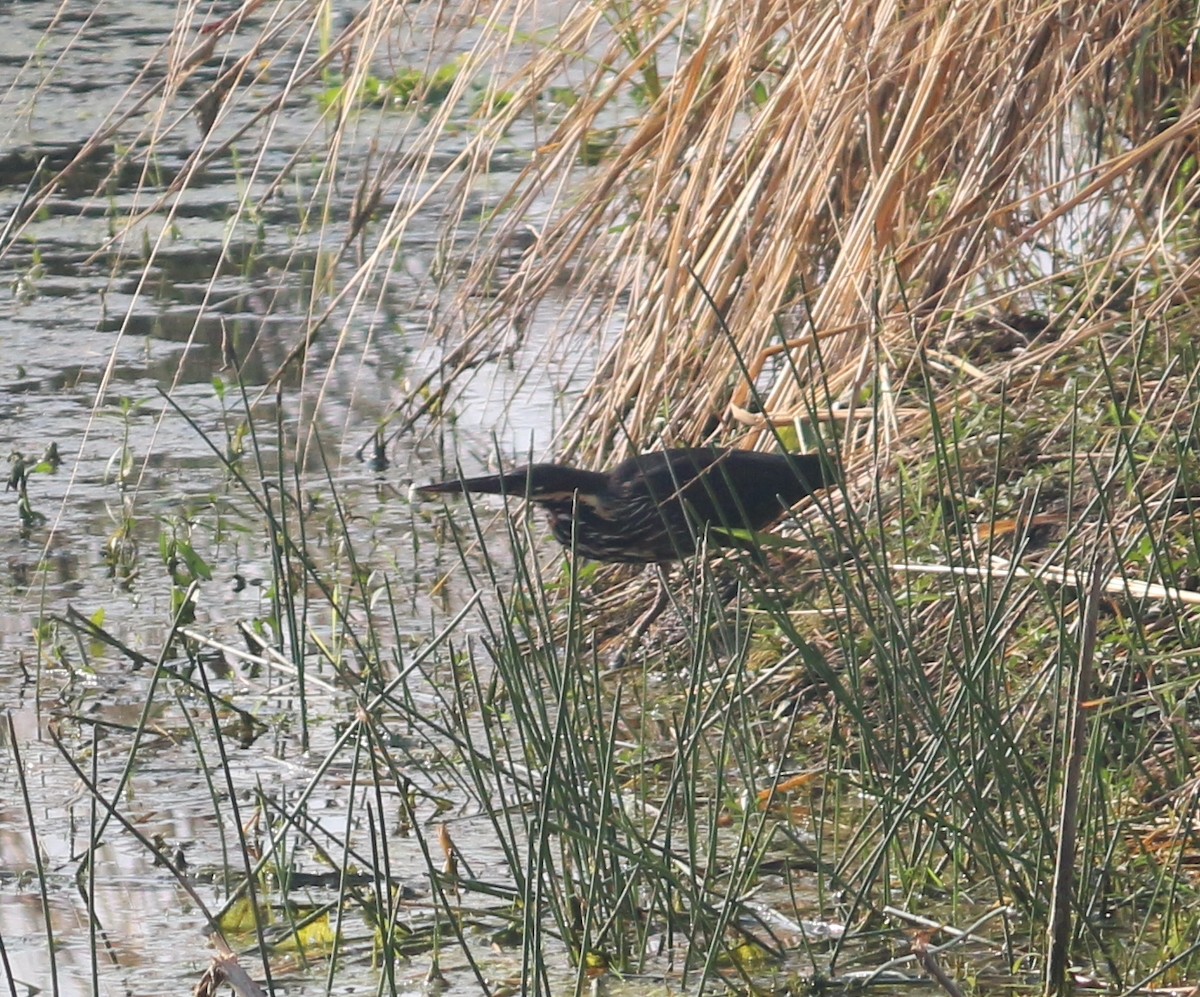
657,507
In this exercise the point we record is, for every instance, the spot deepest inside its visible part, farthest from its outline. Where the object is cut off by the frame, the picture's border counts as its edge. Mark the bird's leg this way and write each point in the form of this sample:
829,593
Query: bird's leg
661,599
729,586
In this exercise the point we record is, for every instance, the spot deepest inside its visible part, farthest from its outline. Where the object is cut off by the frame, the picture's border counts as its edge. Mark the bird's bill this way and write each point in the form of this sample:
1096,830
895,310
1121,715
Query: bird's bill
440,488
491,484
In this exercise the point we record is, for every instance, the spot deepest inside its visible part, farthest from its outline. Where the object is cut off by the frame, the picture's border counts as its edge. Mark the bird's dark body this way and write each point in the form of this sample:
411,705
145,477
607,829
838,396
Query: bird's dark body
653,508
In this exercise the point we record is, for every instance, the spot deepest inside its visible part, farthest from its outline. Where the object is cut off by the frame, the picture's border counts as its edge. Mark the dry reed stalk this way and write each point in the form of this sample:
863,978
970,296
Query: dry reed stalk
894,159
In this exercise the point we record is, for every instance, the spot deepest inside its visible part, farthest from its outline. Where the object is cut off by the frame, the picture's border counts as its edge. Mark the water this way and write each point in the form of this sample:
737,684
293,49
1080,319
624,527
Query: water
103,320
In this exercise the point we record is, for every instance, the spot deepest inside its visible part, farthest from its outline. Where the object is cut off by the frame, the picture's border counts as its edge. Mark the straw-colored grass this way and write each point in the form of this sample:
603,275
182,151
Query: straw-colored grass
856,179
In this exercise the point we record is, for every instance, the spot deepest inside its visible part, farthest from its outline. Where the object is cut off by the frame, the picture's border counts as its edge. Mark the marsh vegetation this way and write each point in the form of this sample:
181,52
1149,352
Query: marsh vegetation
272,722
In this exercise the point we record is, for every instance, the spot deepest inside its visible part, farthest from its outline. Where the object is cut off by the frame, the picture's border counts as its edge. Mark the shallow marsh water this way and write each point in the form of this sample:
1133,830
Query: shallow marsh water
91,339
